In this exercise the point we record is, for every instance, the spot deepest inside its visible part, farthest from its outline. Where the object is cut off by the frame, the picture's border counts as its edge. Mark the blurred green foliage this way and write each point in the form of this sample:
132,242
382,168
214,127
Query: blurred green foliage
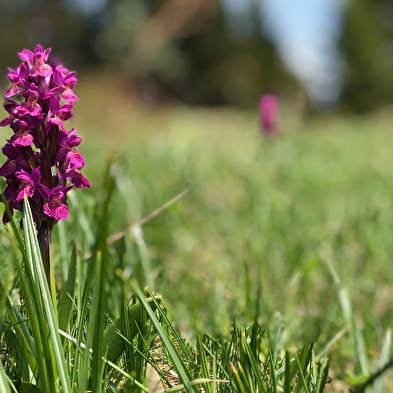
188,51
366,44
264,224
167,50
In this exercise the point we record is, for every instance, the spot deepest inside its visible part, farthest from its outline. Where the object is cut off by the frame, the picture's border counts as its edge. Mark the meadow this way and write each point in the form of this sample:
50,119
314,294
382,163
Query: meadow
280,247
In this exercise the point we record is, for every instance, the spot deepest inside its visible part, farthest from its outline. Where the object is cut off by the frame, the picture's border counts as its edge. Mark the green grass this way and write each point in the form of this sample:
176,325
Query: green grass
262,218
276,259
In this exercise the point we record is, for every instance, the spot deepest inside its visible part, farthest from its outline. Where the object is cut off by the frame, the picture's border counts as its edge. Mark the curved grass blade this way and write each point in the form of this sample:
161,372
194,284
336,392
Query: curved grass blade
177,361
67,293
195,382
35,344
4,385
35,261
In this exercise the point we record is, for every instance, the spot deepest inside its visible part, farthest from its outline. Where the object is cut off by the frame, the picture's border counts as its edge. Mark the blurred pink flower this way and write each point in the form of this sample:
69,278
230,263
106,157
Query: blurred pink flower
268,111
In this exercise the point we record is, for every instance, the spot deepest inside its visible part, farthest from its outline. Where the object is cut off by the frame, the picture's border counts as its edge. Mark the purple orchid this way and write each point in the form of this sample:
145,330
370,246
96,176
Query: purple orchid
16,160
43,163
268,111
55,206
17,78
22,136
28,183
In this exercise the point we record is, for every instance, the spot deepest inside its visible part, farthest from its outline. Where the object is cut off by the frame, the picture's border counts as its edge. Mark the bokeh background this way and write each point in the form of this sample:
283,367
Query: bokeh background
319,55
169,89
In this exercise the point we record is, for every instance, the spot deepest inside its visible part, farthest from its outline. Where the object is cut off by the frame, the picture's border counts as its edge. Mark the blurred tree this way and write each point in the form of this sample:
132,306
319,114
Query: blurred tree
367,47
181,49
234,68
123,19
51,23
187,48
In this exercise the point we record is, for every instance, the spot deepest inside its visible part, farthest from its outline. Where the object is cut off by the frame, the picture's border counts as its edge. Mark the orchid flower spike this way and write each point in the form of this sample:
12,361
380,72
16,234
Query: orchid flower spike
42,160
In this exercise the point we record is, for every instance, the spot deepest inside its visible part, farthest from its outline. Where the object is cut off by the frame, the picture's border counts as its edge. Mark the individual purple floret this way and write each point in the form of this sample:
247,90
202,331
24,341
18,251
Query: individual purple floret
268,111
42,163
55,207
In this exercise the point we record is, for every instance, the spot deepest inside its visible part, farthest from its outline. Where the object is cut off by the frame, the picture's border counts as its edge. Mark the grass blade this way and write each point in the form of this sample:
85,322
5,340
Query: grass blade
4,385
35,261
67,293
379,385
173,354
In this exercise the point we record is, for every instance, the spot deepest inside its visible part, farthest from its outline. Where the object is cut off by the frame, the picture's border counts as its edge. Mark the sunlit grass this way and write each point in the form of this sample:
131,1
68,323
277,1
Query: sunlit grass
293,232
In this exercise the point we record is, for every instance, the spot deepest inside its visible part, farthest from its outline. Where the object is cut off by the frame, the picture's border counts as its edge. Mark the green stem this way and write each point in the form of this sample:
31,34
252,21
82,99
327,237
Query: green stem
44,233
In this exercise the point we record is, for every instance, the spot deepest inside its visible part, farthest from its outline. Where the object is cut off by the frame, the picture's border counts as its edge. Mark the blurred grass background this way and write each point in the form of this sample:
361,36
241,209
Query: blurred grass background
174,108
262,216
